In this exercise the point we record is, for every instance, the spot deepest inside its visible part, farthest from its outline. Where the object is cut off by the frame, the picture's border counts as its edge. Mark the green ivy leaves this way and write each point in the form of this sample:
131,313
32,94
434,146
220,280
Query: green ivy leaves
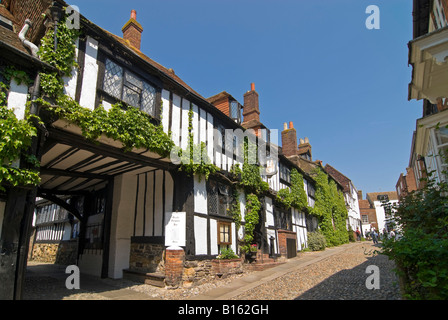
295,196
15,138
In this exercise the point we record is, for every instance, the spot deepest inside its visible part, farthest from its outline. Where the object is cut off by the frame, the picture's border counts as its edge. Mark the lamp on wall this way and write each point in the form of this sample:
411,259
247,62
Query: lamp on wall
56,13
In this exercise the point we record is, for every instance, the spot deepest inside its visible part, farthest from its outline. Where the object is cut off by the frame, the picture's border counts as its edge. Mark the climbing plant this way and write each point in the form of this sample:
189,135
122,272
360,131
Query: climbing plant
330,209
251,218
15,139
194,159
134,128
295,196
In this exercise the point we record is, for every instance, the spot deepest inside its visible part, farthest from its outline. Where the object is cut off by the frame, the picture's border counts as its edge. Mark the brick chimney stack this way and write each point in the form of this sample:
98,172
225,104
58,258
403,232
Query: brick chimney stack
251,110
132,31
289,140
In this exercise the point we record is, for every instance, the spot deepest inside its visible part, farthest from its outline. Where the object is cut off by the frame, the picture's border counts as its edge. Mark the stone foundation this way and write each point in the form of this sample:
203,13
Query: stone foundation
197,271
147,257
64,252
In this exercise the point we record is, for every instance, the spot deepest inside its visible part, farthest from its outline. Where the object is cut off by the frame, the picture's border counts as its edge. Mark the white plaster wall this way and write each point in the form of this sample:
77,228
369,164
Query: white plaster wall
175,120
269,212
210,137
200,195
122,224
165,109
202,125
17,98
70,82
184,130
90,76
195,124
158,218
213,237
200,235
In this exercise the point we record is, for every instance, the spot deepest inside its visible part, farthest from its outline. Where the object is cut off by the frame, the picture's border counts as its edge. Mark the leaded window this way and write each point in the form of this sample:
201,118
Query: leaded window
218,198
125,85
285,173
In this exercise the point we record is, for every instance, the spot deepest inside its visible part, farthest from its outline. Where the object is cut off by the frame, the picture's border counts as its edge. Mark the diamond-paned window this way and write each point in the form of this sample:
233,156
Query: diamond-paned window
126,86
113,78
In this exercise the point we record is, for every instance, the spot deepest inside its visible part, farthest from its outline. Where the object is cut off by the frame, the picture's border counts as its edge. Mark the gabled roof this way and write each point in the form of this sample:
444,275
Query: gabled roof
342,179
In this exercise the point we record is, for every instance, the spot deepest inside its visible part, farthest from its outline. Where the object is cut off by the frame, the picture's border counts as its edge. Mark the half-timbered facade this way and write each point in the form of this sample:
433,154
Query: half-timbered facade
129,207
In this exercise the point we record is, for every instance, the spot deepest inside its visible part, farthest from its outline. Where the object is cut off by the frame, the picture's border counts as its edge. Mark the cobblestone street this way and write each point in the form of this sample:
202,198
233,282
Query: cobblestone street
340,277
336,273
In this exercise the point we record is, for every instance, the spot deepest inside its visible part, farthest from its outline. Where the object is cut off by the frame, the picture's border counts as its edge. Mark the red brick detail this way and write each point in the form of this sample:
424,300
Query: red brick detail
227,266
32,10
251,109
289,142
174,266
282,236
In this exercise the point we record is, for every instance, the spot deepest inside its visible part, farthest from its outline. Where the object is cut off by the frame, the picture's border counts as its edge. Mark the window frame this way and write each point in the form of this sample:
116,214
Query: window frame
127,66
227,224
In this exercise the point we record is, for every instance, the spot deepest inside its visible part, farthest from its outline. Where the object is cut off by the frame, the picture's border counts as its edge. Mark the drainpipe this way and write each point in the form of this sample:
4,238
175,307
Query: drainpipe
35,91
25,42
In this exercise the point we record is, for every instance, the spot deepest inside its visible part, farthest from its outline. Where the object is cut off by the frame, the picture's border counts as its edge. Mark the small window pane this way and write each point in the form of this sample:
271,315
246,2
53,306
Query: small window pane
234,110
148,99
113,77
131,96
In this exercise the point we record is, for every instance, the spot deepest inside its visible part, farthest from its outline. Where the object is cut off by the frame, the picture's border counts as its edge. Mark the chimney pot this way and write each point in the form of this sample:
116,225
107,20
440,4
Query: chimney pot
290,125
252,86
132,31
285,126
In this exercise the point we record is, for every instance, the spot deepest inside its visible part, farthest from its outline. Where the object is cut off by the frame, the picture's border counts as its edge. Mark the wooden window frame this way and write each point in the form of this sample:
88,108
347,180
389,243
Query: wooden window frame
229,225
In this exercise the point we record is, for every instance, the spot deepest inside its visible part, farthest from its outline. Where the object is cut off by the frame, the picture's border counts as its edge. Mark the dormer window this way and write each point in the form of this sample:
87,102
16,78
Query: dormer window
235,111
128,87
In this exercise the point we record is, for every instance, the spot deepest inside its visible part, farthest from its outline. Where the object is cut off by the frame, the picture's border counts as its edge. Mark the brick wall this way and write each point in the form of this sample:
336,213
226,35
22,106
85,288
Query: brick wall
283,235
289,140
251,109
174,266
29,9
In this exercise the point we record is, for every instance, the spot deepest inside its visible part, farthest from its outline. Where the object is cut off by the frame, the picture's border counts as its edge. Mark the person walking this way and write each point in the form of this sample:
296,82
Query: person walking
375,236
358,234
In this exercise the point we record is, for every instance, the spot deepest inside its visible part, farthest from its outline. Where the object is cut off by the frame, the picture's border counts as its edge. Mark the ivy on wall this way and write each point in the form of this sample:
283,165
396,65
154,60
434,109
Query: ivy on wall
295,196
194,159
330,209
127,124
15,139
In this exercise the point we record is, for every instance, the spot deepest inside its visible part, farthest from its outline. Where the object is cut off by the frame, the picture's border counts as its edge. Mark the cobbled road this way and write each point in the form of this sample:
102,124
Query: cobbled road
339,277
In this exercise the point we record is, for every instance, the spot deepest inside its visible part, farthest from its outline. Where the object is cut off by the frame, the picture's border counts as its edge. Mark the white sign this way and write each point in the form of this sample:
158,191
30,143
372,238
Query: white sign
175,229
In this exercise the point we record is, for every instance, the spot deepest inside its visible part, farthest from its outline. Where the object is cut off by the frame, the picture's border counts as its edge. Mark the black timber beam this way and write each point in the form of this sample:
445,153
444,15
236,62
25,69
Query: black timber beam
107,150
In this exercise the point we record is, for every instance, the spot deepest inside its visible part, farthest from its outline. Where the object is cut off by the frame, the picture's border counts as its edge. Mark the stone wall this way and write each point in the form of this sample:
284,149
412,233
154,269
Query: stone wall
198,271
147,257
64,252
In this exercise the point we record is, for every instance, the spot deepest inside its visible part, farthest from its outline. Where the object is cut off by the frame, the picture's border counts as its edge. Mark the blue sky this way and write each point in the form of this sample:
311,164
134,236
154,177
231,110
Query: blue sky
313,62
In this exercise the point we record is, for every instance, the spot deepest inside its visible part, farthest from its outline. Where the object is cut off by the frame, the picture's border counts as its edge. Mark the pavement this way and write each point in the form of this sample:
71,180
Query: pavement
103,290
